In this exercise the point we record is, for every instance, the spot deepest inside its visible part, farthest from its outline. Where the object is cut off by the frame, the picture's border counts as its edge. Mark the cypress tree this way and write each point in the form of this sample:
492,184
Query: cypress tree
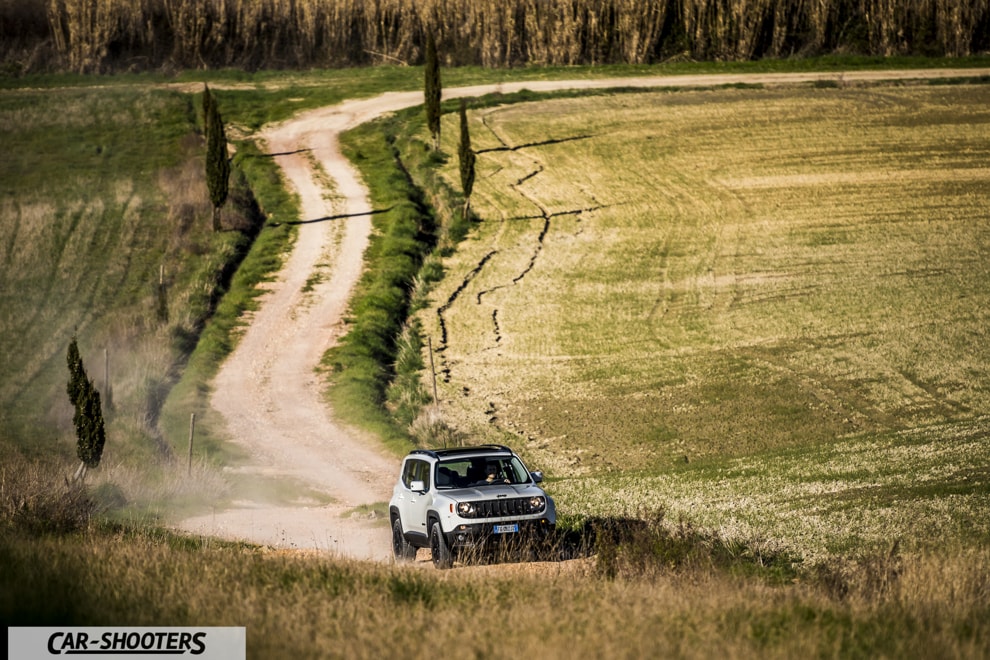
433,90
88,415
466,157
207,107
77,374
217,158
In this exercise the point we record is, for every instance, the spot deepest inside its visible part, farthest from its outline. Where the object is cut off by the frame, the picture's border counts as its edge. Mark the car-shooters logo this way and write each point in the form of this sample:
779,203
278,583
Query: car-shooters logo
93,642
128,642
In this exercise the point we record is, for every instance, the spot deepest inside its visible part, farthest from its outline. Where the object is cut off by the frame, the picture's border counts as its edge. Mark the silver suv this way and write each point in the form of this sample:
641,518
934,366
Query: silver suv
451,500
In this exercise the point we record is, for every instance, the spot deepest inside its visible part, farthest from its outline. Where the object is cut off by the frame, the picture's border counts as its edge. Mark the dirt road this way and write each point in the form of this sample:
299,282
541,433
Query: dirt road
268,390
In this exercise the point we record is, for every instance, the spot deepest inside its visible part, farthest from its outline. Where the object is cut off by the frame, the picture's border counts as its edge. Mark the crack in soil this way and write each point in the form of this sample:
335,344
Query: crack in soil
531,145
445,369
498,332
529,176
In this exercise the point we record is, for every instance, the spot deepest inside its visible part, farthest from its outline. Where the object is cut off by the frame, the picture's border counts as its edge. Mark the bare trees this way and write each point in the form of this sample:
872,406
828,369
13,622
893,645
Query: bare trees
92,36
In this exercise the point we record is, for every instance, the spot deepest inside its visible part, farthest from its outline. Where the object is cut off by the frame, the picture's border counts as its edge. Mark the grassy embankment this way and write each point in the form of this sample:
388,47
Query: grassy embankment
105,200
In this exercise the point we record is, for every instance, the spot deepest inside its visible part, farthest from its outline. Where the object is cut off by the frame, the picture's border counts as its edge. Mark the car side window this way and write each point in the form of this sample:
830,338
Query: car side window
407,473
424,474
416,470
519,473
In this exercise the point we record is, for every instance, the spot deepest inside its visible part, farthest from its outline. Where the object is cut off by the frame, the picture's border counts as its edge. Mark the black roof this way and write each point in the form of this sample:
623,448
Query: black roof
459,451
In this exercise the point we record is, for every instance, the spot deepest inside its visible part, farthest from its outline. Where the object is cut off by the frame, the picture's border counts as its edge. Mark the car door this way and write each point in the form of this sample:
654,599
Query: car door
415,503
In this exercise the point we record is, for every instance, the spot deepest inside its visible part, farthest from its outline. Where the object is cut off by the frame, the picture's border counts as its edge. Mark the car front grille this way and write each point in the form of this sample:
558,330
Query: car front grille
518,506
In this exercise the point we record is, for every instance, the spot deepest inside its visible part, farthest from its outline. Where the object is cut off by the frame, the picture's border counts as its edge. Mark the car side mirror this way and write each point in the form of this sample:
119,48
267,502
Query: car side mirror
418,486
537,476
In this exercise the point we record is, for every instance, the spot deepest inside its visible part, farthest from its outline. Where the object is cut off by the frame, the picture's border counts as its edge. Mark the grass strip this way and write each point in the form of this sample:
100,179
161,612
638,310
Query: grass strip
259,259
363,364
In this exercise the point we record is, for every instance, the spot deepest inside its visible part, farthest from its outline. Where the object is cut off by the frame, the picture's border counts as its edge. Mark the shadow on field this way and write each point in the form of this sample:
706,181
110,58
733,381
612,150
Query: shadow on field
650,547
342,216
645,547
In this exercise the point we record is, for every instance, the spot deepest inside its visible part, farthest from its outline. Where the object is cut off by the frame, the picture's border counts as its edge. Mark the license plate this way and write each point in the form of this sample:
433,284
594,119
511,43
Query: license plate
506,529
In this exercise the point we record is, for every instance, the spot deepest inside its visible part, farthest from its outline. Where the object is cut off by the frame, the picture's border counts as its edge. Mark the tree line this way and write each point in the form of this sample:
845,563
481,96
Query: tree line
115,35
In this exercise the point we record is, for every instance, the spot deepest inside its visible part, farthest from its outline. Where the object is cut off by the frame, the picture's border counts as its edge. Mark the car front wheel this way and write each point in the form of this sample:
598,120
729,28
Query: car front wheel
442,556
402,550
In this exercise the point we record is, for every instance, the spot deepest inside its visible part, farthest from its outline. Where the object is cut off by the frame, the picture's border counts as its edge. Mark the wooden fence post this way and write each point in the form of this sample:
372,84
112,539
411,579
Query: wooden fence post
192,431
433,370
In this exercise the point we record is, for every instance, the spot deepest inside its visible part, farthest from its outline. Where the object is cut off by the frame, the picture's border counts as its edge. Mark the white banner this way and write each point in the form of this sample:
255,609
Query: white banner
210,643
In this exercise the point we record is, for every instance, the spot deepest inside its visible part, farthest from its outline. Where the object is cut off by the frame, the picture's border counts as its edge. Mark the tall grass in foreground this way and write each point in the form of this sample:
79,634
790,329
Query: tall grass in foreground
645,591
86,36
297,605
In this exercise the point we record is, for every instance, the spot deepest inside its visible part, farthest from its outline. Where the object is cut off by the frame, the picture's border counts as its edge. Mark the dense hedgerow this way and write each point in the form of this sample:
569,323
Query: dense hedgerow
370,356
113,35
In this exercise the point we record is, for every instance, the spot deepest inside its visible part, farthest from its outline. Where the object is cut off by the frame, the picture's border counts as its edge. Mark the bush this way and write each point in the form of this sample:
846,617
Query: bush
38,498
431,429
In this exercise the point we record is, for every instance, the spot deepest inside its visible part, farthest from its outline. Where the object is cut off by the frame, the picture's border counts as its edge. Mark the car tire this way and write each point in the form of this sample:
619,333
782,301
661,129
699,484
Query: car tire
402,550
443,558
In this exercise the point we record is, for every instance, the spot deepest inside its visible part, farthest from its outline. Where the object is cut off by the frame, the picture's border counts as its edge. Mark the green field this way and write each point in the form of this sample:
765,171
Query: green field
98,197
764,310
105,235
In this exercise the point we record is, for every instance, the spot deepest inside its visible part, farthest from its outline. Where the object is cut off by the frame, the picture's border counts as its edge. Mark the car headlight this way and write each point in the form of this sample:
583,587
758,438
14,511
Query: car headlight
465,508
537,504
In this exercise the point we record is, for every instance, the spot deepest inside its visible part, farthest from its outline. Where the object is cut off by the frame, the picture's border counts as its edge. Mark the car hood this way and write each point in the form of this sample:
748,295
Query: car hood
495,491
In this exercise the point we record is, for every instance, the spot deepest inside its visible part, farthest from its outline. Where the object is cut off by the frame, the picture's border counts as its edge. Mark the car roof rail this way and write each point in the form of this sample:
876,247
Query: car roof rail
454,451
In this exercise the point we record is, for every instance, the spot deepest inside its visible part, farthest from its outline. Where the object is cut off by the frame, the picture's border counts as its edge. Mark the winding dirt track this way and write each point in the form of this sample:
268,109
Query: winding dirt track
269,392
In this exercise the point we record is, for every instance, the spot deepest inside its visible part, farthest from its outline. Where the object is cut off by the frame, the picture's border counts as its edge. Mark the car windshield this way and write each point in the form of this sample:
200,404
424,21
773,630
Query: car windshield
480,471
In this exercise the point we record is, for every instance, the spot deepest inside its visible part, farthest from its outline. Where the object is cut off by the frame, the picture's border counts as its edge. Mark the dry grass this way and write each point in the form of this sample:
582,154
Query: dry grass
316,606
39,498
647,592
